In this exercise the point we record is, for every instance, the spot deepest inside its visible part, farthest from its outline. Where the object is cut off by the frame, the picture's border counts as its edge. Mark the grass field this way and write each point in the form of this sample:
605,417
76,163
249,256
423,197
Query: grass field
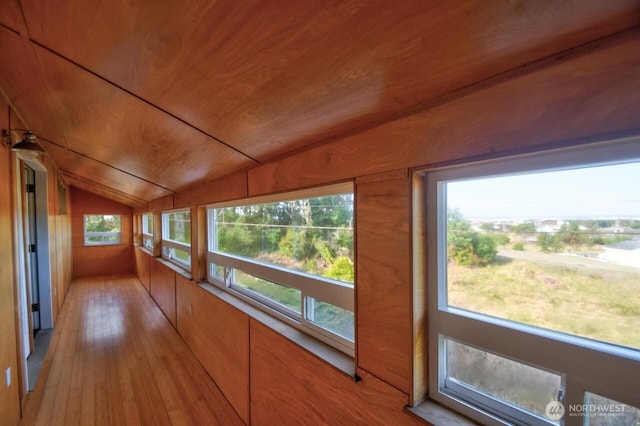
572,294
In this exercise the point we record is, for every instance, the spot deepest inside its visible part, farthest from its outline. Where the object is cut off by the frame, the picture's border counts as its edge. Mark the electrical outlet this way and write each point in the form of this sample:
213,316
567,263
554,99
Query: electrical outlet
7,376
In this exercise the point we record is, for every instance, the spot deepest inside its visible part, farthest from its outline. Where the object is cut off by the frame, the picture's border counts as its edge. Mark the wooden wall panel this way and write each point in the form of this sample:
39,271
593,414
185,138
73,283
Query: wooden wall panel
229,188
142,267
584,94
9,396
160,204
219,336
162,281
384,284
100,260
291,386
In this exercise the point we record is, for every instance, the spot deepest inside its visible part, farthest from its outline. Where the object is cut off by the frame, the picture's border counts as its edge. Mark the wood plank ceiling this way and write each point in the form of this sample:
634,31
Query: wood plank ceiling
135,100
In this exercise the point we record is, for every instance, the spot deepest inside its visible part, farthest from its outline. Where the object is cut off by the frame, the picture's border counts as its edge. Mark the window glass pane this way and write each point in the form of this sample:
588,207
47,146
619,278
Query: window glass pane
102,229
178,255
148,242
331,317
285,296
147,224
313,235
600,411
517,384
558,250
177,227
216,271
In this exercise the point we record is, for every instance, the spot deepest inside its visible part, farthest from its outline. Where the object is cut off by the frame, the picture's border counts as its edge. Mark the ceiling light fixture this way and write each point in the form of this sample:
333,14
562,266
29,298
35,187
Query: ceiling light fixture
27,148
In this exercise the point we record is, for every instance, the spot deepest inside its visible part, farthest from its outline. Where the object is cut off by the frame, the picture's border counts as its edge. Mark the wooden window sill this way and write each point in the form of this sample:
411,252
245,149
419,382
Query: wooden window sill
437,414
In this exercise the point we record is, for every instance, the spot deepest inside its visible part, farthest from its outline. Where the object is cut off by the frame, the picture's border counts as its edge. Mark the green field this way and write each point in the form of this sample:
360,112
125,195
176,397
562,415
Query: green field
567,293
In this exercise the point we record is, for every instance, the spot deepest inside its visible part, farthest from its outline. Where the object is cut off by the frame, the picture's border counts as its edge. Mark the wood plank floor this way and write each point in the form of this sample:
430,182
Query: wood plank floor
114,359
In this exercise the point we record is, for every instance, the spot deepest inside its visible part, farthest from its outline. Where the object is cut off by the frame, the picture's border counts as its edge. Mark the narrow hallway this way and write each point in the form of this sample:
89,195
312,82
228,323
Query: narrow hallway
114,359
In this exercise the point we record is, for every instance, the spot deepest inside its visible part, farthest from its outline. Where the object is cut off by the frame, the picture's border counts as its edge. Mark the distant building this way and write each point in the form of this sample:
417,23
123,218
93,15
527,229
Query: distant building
625,253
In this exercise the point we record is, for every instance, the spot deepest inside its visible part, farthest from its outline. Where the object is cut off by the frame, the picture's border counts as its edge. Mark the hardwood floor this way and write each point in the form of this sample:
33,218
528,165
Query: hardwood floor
114,359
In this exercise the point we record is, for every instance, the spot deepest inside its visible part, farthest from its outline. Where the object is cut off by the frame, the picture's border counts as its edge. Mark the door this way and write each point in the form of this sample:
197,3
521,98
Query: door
32,244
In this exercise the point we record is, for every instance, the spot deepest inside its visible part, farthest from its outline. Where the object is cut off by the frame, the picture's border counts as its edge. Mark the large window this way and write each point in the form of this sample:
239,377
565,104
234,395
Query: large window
102,229
534,284
176,237
292,256
147,231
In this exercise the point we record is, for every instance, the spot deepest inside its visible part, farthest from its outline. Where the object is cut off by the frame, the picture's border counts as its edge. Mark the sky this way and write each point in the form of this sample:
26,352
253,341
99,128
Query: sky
596,192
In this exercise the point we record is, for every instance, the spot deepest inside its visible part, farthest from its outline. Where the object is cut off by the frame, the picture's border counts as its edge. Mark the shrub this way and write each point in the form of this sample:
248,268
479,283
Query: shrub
467,247
501,239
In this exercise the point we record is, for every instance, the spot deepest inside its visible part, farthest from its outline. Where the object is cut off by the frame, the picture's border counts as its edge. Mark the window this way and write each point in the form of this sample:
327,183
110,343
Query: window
147,231
176,237
292,256
533,284
102,230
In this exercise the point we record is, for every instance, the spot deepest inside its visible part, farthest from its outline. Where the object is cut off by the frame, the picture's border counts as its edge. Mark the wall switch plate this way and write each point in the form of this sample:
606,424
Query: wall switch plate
7,376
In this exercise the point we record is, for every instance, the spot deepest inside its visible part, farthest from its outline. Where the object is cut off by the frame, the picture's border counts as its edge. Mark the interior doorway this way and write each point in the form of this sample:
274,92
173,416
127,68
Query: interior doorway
35,291
31,237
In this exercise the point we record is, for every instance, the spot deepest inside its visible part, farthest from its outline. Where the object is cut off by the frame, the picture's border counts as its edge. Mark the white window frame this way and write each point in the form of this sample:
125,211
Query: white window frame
147,238
311,287
173,245
585,365
87,235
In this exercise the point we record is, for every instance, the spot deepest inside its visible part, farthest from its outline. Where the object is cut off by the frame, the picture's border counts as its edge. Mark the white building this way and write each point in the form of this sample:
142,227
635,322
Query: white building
625,252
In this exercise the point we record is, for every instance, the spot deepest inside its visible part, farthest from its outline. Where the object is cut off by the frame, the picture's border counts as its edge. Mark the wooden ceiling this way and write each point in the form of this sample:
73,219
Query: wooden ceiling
135,100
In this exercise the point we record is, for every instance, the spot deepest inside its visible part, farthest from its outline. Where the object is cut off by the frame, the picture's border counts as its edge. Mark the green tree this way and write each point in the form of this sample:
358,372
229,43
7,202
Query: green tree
571,235
549,242
467,247
523,228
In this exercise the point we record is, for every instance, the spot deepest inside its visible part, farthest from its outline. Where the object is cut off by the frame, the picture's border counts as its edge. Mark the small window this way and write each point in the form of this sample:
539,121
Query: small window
176,237
102,230
147,231
291,255
534,276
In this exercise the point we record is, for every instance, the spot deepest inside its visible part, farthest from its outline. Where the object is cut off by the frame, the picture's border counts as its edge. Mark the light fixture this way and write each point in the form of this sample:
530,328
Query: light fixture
27,148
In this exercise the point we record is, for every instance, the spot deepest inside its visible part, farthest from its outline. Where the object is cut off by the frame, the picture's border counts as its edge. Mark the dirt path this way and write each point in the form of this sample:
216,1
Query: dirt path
565,259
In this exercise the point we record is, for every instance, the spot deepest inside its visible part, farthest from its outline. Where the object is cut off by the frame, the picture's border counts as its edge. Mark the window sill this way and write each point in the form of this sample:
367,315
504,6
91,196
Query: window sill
438,414
186,274
341,362
144,250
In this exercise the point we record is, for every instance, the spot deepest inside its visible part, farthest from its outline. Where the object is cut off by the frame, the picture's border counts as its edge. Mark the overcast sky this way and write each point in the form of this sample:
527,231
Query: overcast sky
596,192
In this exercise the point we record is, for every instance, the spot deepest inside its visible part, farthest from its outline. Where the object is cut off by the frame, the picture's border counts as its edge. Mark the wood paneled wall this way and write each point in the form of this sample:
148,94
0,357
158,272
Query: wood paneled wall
384,280
9,396
218,335
577,97
100,260
142,268
162,283
59,223
291,386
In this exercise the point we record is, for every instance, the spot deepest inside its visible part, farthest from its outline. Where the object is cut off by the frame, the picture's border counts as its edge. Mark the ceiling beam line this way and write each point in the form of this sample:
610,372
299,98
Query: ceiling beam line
106,164
95,186
117,86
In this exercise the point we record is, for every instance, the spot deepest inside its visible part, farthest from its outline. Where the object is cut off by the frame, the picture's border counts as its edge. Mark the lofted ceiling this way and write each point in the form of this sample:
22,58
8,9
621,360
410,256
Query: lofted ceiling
137,99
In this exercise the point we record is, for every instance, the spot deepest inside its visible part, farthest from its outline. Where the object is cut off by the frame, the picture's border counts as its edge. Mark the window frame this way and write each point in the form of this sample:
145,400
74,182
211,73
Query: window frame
100,244
311,287
166,242
147,238
571,356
